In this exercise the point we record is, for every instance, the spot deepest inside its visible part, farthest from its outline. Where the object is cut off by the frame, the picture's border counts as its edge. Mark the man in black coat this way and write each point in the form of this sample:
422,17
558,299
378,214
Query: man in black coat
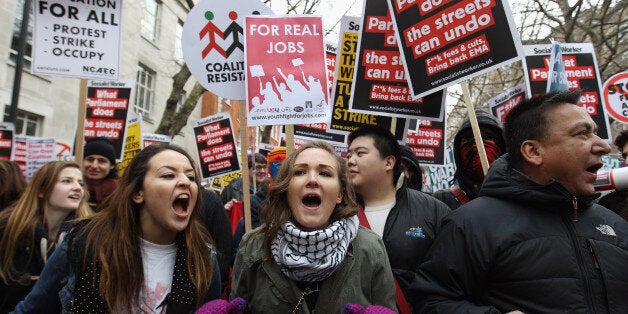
406,219
533,241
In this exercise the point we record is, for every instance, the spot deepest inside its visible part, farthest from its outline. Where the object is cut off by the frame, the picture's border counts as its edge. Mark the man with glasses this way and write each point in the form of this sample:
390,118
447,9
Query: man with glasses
257,178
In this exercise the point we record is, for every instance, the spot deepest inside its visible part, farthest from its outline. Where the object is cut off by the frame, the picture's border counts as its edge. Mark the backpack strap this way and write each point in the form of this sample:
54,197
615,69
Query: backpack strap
459,194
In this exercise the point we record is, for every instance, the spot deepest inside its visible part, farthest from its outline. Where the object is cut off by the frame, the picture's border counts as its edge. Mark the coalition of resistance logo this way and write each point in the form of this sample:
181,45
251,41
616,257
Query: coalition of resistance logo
213,44
234,31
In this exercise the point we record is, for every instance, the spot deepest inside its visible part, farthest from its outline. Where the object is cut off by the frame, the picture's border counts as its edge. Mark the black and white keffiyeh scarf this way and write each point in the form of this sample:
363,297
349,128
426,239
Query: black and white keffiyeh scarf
315,255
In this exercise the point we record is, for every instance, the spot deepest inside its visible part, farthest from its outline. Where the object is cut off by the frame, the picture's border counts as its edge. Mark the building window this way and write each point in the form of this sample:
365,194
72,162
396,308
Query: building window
178,47
26,123
144,90
149,20
17,24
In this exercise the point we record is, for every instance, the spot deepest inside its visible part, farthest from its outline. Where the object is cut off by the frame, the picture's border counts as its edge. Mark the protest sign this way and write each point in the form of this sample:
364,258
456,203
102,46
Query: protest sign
342,120
286,72
39,151
380,85
219,183
152,138
317,131
132,142
107,106
20,151
502,104
213,44
330,63
582,73
446,42
264,148
615,93
7,130
77,38
215,145
428,142
439,177
341,150
63,149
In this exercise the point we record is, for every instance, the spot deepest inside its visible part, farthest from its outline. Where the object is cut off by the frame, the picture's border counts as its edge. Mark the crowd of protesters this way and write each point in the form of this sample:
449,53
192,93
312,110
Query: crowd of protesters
330,235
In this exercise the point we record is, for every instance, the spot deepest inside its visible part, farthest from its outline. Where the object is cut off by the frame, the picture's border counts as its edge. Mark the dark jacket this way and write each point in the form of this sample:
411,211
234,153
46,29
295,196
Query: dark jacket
234,190
617,201
215,220
257,201
363,277
530,247
66,283
29,261
410,229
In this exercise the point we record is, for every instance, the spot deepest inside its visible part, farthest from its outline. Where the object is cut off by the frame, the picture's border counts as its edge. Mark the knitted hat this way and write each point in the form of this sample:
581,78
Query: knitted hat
276,156
408,155
100,146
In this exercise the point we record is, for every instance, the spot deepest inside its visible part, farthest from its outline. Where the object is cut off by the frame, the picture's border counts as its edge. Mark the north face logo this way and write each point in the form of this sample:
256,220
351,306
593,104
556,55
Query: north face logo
606,229
415,233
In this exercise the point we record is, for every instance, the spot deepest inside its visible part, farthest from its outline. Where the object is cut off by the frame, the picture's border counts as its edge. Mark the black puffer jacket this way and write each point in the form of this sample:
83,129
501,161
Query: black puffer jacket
525,246
410,229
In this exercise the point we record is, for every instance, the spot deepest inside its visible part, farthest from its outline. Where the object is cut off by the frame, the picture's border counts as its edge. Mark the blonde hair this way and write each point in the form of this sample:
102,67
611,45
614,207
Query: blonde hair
19,221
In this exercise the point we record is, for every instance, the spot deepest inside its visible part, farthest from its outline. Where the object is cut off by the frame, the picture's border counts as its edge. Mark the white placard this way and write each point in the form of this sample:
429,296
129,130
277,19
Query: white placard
77,39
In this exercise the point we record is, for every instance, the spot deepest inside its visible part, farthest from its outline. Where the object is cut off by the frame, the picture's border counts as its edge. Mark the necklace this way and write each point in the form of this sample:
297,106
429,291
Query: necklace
306,291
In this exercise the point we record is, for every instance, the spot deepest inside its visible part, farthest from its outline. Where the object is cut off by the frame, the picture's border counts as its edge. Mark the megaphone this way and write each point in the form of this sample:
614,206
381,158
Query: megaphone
614,179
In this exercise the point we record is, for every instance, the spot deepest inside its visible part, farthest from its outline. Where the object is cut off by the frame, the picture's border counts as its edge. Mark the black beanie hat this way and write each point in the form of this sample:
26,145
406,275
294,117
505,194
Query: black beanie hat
408,155
100,146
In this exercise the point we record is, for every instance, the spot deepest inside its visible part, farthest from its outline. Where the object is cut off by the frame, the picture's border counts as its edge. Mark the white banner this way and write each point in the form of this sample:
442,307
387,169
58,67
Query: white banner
77,39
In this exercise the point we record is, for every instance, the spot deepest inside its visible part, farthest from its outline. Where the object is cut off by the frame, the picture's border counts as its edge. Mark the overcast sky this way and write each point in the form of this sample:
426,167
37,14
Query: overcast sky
331,11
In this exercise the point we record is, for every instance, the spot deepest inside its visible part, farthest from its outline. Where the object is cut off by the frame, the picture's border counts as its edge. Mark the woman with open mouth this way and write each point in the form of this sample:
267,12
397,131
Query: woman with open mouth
310,255
144,252
35,225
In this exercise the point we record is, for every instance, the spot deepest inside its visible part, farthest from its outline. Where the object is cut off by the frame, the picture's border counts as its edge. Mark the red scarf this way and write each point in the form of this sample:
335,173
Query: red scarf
471,163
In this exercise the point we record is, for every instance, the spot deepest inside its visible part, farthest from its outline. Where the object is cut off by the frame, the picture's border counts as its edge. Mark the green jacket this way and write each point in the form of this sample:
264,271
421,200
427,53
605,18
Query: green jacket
364,278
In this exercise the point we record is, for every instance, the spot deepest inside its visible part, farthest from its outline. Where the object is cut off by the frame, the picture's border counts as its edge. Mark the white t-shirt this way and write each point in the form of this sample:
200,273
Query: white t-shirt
158,263
376,215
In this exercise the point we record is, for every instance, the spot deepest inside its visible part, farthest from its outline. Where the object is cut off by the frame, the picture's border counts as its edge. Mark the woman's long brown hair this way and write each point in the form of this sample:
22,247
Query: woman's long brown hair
20,220
12,183
113,239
